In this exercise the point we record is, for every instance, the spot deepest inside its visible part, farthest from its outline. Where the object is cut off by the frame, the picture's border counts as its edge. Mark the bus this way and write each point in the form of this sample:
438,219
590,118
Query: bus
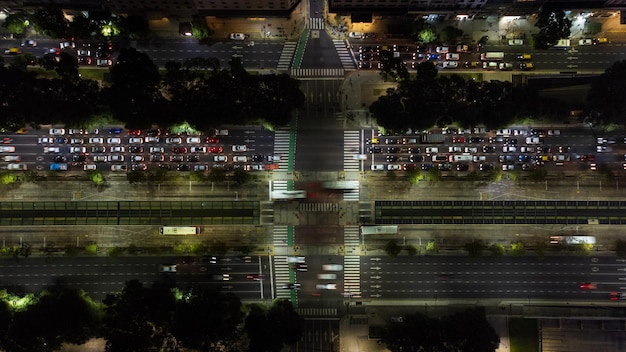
179,230
288,195
379,230
341,185
492,56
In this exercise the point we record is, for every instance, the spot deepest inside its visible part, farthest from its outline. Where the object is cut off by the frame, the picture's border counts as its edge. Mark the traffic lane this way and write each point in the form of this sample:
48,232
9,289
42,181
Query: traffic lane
318,335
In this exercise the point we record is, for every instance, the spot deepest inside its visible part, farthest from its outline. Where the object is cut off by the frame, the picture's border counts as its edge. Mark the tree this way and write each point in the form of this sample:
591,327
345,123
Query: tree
67,67
50,22
553,25
136,176
241,177
16,23
449,35
423,32
392,249
497,250
200,30
605,97
83,27
470,331
95,176
475,248
392,67
133,27
270,330
517,249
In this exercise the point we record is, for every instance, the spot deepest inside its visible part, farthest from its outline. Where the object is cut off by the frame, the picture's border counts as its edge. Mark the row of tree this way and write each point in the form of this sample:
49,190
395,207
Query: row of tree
197,92
141,318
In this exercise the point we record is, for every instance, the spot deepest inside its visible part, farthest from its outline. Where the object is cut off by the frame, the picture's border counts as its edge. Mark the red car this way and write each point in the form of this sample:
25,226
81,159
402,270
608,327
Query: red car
179,150
588,286
212,140
617,296
255,277
458,139
215,149
134,132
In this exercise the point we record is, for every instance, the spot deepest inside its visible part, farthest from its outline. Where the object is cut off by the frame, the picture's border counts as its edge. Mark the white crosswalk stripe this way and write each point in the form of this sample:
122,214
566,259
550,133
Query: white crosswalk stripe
286,56
351,148
351,262
281,266
281,147
318,72
315,23
317,312
279,185
267,212
319,207
344,54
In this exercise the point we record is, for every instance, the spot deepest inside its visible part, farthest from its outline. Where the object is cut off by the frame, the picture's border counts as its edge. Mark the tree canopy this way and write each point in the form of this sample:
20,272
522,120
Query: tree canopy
553,25
605,97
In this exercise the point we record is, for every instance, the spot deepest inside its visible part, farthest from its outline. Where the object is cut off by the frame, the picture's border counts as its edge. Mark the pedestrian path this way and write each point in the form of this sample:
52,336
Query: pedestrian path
286,56
347,61
318,72
267,213
281,147
317,312
319,207
351,145
282,275
315,23
351,262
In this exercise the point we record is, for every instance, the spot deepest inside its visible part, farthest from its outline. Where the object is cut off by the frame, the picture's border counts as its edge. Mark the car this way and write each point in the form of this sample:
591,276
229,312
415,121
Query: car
179,150
442,49
372,140
257,158
485,167
75,131
98,149
523,158
167,268
136,149
103,62
479,158
177,158
11,158
212,140
392,167
397,319
255,277
373,150
51,149
193,140
431,150
392,158
505,66
450,64
215,149
391,141
151,139
332,267
45,140
603,149
489,149
157,157
393,150
135,140
301,267
239,148
526,66
509,149
416,158
221,132
134,132
240,159
584,42
115,158
510,141
90,167
198,149
193,158
377,167
458,139
114,140
139,167
18,166
60,140
99,158
588,286
220,158
173,140
506,158
508,167
200,168
183,167
470,150
118,149
12,51
237,36
326,286
83,60
554,132
413,150
115,130
527,149
57,131
96,140
295,286
472,64
76,141
157,150
356,35
617,296
59,158
80,150
454,149
516,42
58,167
79,158
118,168
29,42
137,158
453,57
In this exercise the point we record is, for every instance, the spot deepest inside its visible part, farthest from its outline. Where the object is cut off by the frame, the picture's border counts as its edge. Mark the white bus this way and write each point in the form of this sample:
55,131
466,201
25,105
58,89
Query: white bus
341,185
379,230
492,56
179,230
287,195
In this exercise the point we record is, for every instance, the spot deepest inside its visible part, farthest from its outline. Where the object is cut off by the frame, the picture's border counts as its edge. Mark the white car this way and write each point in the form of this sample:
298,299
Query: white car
193,140
114,140
198,149
96,140
156,150
220,158
51,149
45,140
76,141
355,35
454,149
119,167
151,139
450,64
509,149
471,150
332,267
57,131
432,150
89,167
118,149
99,158
326,286
115,158
377,167
6,149
135,140
237,36
453,57
515,42
240,159
83,52
442,49
239,148
137,158
508,167
479,158
200,168
78,150
221,132
394,167
173,140
11,158
585,42
167,268
74,131
21,166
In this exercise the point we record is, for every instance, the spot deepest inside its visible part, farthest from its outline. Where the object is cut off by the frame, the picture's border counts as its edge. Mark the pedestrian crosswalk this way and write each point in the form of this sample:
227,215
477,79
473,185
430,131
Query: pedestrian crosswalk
318,72
351,149
281,147
267,213
282,276
351,239
344,54
317,312
286,56
352,276
319,207
316,23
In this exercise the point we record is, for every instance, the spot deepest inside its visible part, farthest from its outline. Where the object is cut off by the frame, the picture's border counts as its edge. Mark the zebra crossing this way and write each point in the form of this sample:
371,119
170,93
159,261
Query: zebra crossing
318,72
282,275
351,148
281,147
319,207
286,56
346,58
351,261
317,312
315,23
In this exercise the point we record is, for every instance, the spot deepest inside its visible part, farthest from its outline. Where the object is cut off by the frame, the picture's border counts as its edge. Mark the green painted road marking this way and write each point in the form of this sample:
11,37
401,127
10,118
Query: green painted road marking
300,49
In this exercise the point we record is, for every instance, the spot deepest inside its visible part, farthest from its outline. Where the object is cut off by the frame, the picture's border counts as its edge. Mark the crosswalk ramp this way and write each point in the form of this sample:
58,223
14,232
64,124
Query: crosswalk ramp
281,147
286,56
352,275
318,72
315,23
347,61
317,312
319,207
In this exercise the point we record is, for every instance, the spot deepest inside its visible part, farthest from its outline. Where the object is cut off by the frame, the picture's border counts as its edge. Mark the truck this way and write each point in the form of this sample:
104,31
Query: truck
562,44
58,167
572,240
492,56
431,138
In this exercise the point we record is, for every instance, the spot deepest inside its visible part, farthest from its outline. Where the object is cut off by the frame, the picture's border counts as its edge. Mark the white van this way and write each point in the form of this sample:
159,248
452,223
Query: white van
378,167
463,157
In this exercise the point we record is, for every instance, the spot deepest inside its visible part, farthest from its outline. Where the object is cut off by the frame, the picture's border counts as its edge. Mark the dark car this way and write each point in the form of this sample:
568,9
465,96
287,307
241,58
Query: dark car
165,166
416,158
476,140
183,167
115,130
427,167
81,158
393,150
375,150
485,167
392,158
59,159
177,158
136,149
193,158
60,140
98,149
462,167
257,158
